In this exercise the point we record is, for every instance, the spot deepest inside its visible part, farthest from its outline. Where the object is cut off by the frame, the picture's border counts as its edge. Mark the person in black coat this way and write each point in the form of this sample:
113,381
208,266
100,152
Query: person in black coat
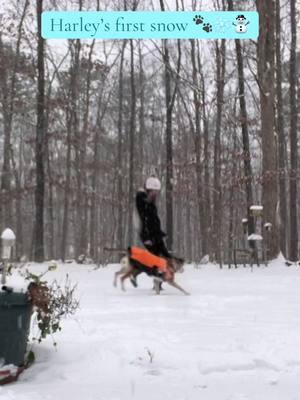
150,232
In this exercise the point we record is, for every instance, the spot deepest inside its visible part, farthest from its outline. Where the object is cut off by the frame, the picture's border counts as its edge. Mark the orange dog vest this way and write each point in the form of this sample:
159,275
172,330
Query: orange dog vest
148,259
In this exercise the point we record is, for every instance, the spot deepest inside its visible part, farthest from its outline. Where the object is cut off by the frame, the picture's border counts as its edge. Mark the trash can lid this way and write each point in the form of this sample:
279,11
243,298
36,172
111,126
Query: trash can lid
13,299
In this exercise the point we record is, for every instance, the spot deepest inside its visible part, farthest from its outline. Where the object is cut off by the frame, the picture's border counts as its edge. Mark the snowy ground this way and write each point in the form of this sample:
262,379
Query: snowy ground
236,337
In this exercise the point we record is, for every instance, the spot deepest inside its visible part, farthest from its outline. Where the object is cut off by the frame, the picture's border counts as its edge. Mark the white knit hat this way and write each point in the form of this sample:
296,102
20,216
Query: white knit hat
152,183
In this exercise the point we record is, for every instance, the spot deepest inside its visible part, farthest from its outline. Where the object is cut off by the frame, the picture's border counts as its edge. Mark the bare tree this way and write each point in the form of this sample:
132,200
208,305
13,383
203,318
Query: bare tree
281,136
38,238
142,125
207,196
83,211
120,231
217,194
198,147
170,101
8,87
293,137
72,131
132,131
245,131
266,78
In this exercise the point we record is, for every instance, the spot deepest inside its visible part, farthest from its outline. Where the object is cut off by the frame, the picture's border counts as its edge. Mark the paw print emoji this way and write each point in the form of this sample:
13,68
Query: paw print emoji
198,19
207,28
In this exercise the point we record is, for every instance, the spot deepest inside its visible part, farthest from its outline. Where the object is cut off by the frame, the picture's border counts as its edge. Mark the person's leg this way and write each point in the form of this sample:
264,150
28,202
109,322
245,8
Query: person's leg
159,250
162,250
156,249
133,277
137,270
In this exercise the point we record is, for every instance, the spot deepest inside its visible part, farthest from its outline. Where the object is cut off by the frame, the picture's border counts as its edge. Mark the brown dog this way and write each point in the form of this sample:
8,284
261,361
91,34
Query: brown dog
173,265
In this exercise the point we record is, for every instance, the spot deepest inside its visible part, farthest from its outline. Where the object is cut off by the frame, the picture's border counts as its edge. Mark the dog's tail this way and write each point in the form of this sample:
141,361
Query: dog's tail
114,249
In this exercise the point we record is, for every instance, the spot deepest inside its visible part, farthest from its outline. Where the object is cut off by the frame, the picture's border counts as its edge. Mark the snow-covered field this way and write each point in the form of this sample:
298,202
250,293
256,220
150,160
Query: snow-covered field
236,337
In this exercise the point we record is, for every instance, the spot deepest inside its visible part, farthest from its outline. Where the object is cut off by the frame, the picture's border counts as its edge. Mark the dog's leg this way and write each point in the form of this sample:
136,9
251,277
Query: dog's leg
125,276
115,279
116,276
175,285
122,271
125,267
156,283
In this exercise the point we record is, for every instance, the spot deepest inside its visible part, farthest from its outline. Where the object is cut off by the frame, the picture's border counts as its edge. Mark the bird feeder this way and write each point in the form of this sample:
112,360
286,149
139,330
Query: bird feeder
245,225
255,237
256,210
8,239
268,226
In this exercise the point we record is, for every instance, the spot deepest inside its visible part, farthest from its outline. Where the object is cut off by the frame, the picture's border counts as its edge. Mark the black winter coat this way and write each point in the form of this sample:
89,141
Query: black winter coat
150,222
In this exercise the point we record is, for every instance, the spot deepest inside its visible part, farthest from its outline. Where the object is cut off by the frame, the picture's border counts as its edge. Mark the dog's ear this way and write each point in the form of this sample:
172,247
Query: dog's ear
179,259
176,264
171,263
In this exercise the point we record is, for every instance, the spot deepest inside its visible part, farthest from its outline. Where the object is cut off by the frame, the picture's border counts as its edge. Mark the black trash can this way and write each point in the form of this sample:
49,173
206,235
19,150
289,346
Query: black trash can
15,314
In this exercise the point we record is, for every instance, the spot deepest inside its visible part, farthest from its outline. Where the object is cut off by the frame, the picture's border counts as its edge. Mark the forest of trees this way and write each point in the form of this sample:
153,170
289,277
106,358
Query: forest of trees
84,122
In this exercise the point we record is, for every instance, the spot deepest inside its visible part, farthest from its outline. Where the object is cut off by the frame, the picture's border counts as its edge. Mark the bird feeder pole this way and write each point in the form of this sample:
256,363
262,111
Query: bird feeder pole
8,239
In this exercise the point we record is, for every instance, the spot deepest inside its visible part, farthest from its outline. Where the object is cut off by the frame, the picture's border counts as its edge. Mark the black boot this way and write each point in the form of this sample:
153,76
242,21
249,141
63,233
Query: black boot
159,286
133,281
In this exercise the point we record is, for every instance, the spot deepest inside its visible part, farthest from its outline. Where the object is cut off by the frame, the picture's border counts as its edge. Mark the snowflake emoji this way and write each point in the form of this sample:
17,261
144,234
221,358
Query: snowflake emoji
223,25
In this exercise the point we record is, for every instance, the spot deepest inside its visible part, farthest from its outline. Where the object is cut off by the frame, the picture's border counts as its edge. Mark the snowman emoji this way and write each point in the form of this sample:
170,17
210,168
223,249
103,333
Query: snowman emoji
241,24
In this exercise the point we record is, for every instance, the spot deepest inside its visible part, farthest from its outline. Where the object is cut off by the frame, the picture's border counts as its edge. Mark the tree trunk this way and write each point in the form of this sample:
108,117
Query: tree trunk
217,196
293,138
281,137
40,146
72,126
95,234
245,136
266,78
207,196
93,209
6,210
169,149
245,132
169,101
83,234
78,147
198,146
120,232
232,201
142,130
50,206
51,211
19,199
132,130
9,94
